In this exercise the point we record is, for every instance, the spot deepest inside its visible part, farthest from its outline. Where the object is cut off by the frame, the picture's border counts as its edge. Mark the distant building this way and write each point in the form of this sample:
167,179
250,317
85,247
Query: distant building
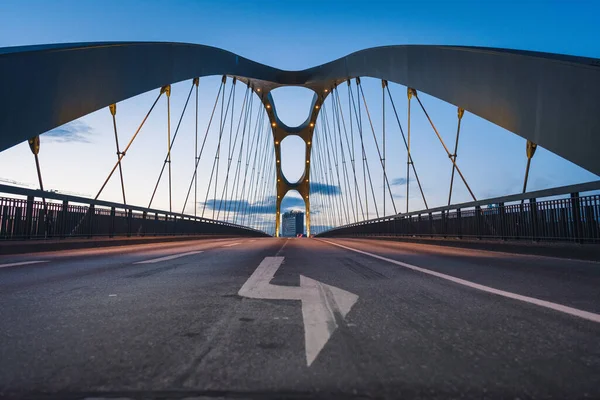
292,223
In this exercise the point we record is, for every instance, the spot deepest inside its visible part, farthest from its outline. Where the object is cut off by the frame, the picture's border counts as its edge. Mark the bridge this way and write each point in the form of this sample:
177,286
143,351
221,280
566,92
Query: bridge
196,292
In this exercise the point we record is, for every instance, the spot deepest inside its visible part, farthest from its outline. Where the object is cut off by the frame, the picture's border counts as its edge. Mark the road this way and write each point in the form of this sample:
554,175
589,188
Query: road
371,319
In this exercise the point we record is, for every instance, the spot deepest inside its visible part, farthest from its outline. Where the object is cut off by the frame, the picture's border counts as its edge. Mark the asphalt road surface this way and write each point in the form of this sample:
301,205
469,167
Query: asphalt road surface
298,318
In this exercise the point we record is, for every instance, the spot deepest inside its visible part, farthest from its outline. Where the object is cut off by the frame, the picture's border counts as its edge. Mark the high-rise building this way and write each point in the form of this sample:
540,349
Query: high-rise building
292,223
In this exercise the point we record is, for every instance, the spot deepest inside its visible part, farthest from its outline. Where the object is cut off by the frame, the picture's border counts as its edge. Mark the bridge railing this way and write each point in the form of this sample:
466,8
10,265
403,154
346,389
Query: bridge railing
39,214
558,214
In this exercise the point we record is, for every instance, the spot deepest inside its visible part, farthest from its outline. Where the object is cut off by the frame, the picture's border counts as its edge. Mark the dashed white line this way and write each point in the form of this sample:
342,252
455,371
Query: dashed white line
166,258
232,244
542,303
21,263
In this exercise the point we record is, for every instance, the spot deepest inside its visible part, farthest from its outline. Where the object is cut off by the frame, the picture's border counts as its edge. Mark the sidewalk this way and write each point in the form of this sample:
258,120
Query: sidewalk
588,251
42,245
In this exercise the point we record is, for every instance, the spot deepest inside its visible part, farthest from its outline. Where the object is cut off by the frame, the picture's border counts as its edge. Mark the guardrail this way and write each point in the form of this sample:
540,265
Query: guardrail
57,215
572,218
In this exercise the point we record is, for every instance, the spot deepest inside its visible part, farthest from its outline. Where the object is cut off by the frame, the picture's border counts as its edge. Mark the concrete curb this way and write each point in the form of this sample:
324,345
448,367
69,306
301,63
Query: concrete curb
588,252
40,245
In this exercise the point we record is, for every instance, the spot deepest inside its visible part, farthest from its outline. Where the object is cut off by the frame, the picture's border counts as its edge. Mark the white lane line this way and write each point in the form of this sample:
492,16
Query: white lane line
232,244
542,303
171,257
21,263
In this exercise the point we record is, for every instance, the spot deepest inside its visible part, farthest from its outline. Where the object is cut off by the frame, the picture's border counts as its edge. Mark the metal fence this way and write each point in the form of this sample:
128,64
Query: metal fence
574,218
53,215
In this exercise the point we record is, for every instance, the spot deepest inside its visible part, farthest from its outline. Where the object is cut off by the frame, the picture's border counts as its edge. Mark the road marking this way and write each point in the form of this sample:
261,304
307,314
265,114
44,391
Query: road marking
21,263
232,244
112,295
171,257
542,303
320,303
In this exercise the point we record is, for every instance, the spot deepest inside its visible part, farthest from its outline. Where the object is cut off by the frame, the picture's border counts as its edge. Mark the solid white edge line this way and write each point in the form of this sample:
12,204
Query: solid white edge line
232,244
166,258
542,303
16,264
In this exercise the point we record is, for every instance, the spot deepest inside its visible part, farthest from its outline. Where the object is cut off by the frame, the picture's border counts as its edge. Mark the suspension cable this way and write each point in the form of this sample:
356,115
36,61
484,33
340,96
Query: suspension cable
247,117
412,163
336,112
128,146
171,144
364,154
113,111
223,118
461,112
340,200
376,146
237,177
445,148
196,82
199,155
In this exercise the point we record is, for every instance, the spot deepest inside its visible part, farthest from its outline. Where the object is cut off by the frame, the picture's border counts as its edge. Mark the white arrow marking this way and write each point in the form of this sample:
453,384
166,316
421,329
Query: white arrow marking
320,302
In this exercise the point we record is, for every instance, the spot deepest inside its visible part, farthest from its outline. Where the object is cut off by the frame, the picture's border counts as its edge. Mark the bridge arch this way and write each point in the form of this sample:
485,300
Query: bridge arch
547,98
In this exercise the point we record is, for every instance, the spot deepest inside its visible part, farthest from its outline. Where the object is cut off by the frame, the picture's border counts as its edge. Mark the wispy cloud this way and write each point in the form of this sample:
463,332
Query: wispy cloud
330,190
399,181
74,131
265,206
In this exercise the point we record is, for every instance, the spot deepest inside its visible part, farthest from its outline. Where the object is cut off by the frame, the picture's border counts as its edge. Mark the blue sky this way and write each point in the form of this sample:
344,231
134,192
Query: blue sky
296,35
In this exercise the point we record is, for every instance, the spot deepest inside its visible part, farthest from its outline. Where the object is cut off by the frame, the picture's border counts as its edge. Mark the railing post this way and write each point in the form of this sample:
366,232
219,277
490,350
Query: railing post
445,223
113,217
534,219
4,230
144,215
91,212
63,219
458,223
431,224
29,217
502,211
478,221
155,224
576,217
129,221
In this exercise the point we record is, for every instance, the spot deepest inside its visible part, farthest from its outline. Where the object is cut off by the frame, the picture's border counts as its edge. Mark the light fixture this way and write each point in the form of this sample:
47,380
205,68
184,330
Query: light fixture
273,124
306,161
312,124
317,106
326,90
276,142
277,161
268,106
258,90
308,142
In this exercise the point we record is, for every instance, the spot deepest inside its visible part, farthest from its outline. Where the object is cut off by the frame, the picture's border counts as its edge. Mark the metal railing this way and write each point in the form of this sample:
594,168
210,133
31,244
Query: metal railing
572,218
54,215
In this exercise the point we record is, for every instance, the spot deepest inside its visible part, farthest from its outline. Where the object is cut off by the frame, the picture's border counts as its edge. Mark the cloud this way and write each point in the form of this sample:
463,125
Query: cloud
330,190
74,131
399,181
265,206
